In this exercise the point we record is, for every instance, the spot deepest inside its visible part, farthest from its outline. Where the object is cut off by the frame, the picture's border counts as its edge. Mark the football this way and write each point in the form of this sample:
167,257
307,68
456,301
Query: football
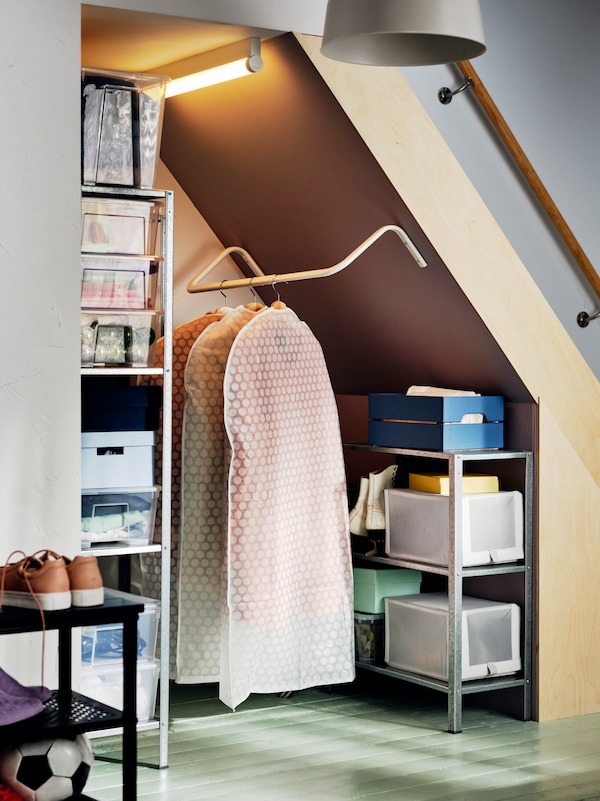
47,770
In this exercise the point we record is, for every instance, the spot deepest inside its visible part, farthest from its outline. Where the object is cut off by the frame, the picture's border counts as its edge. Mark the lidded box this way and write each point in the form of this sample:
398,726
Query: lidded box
372,585
418,527
416,636
119,339
117,459
121,127
118,282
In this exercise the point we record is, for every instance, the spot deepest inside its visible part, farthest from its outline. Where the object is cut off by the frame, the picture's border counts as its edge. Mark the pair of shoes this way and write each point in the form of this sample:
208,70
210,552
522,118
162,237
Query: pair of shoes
18,702
47,581
369,512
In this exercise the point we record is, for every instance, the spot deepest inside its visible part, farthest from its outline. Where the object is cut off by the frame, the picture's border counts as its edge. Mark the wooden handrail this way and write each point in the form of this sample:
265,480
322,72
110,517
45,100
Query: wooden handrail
530,175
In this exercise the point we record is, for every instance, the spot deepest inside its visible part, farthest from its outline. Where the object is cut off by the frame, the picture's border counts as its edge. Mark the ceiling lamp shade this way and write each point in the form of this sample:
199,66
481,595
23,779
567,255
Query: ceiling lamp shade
408,33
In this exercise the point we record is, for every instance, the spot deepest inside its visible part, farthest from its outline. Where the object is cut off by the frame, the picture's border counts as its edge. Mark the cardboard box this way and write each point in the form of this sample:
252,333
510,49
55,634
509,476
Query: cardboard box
418,526
369,637
118,516
118,226
435,423
117,459
119,339
440,483
416,636
372,585
122,117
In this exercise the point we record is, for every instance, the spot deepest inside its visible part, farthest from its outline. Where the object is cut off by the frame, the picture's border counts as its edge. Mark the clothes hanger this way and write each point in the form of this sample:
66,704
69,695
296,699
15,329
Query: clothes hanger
277,304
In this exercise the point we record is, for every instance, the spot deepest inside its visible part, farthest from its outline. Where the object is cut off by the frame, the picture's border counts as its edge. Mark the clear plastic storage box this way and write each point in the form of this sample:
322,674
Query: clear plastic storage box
118,282
114,225
118,516
103,644
369,633
416,636
104,683
418,525
121,127
119,339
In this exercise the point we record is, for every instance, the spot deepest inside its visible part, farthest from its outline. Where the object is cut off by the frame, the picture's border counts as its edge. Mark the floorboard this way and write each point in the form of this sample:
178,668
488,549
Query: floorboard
371,741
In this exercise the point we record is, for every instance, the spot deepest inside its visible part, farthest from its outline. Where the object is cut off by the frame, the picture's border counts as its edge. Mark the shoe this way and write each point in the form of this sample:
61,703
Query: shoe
39,582
85,580
12,688
358,515
378,483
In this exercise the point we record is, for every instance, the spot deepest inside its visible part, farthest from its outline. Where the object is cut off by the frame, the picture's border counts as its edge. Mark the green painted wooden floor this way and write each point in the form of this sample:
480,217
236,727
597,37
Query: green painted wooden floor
377,740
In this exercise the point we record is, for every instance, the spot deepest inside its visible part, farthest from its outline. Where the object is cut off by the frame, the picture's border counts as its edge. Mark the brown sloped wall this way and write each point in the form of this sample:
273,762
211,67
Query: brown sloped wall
273,164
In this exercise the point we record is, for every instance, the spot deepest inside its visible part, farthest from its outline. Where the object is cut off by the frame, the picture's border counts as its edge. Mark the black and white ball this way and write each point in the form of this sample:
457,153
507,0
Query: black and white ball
47,770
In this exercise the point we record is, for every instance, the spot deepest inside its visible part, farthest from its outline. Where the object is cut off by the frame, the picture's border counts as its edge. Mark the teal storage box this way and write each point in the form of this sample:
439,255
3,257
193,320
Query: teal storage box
372,586
435,423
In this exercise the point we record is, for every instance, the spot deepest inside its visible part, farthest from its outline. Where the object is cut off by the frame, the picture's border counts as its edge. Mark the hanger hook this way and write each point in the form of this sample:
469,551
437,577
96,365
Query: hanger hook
221,290
445,95
276,291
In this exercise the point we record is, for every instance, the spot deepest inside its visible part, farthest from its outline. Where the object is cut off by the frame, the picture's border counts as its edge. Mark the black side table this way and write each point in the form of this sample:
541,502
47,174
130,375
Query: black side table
68,713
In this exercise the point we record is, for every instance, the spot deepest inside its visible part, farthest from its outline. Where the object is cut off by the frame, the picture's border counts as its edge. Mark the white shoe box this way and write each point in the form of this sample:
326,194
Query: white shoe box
418,525
416,636
117,459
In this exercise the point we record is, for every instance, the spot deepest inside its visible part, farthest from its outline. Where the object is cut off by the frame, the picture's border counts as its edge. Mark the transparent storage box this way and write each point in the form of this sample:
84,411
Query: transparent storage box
114,225
104,683
118,282
369,633
113,339
121,127
118,516
103,644
416,636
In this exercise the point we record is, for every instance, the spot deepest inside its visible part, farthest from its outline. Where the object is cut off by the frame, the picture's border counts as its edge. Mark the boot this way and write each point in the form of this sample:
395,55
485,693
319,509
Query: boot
378,482
358,515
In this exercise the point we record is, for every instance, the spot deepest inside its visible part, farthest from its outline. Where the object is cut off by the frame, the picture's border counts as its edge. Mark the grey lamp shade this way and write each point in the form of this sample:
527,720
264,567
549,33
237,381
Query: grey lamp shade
403,32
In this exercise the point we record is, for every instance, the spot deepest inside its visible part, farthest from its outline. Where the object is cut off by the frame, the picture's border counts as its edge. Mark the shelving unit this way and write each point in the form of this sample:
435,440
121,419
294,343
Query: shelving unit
456,574
69,713
165,199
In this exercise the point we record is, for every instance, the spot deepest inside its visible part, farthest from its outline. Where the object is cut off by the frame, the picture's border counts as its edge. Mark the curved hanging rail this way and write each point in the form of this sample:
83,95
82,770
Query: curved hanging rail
260,279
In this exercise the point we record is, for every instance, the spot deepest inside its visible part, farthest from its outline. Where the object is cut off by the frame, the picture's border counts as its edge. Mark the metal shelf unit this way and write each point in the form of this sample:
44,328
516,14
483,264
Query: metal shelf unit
455,687
165,198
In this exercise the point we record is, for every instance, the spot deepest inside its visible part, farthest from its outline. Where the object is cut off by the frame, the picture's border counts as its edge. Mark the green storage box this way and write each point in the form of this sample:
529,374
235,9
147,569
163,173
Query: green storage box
371,586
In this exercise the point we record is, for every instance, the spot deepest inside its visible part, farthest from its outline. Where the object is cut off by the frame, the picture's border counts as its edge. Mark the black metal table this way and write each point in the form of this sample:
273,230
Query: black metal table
68,713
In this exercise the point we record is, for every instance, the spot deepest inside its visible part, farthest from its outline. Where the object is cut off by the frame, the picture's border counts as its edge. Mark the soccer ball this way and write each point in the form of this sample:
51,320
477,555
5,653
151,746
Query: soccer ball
47,770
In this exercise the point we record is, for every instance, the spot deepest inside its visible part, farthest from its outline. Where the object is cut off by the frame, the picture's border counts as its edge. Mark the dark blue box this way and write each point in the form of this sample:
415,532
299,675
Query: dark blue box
434,423
120,408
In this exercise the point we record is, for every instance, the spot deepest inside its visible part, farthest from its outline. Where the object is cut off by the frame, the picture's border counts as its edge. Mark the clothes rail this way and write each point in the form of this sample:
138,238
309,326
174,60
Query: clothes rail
260,279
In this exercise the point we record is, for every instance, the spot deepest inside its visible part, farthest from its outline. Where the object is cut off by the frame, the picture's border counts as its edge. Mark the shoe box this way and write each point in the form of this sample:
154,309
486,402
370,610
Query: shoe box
418,523
416,636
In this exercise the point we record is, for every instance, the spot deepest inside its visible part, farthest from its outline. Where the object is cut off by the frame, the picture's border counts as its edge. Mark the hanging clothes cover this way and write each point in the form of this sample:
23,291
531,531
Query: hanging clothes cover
288,594
203,501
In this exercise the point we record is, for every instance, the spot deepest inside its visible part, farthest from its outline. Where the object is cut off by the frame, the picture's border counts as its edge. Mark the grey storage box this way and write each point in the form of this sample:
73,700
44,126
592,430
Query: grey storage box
117,459
418,526
416,636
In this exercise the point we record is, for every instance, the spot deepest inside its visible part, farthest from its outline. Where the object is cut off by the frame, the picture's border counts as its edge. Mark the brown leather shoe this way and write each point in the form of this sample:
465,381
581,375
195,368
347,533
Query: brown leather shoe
40,581
86,581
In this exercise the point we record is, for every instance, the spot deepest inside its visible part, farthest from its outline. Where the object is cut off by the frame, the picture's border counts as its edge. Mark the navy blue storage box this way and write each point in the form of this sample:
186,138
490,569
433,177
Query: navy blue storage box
434,423
120,408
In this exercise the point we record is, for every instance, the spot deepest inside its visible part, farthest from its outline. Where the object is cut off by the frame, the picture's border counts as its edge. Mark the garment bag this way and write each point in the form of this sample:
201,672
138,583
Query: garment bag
287,616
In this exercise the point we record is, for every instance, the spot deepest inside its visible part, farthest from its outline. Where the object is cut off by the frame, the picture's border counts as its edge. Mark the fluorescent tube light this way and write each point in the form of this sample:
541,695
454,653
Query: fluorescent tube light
215,66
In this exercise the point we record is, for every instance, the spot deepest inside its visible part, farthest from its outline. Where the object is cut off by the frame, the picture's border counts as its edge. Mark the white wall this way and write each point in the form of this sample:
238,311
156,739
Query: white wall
541,70
39,265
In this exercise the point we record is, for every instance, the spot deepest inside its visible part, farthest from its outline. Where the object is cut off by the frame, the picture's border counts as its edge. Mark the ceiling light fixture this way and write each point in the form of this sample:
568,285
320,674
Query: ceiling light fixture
215,66
403,32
